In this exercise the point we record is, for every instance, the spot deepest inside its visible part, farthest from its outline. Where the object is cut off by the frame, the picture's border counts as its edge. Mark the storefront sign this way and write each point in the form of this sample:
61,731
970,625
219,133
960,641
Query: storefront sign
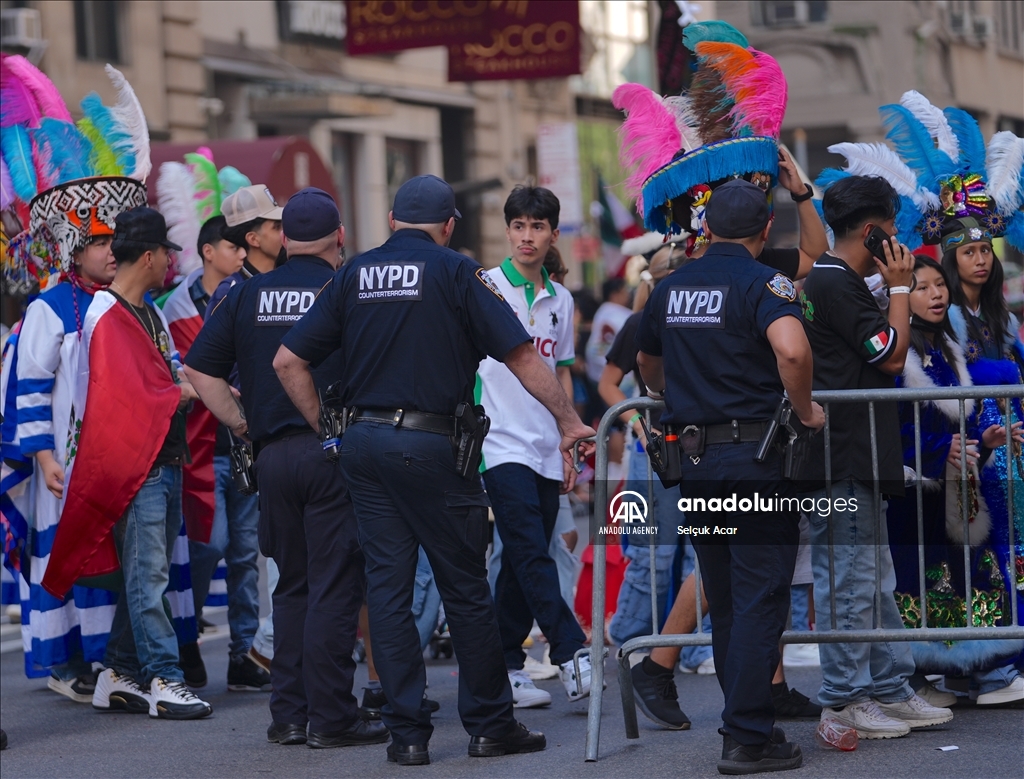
394,25
558,168
316,21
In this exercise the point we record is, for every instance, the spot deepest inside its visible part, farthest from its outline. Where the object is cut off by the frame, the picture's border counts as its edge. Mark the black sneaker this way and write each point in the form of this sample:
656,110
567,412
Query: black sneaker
245,676
792,704
374,700
192,665
655,693
769,756
519,740
361,733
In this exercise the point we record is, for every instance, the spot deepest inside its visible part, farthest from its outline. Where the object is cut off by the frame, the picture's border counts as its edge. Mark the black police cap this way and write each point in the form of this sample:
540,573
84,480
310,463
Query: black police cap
425,200
737,209
309,215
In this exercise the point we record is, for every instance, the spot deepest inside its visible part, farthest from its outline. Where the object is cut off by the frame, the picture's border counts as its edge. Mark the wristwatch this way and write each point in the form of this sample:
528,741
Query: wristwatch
807,195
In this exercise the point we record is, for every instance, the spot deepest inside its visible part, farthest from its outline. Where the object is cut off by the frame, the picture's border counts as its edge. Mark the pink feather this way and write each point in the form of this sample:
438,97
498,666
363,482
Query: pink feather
205,151
650,135
17,105
765,108
47,97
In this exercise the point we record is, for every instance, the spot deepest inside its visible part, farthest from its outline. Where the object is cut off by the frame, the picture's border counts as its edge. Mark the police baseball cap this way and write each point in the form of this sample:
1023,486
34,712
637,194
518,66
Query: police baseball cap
425,200
737,209
309,215
144,226
250,203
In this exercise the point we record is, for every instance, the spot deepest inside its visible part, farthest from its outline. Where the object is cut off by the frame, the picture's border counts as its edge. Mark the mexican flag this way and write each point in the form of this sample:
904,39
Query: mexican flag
616,224
129,400
197,493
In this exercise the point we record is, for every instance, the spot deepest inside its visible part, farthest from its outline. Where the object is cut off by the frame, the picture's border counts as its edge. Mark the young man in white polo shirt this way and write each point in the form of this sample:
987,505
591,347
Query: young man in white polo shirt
523,470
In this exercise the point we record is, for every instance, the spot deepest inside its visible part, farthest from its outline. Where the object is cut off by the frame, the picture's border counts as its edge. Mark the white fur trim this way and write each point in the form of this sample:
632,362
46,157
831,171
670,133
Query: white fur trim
978,528
914,377
642,244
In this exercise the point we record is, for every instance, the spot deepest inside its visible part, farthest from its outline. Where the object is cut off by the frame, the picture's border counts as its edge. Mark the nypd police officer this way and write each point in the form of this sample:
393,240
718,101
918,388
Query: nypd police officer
306,520
413,319
721,338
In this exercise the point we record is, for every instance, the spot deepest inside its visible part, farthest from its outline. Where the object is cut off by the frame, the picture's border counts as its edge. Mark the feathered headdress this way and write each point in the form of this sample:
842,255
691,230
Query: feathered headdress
65,181
953,189
189,194
726,126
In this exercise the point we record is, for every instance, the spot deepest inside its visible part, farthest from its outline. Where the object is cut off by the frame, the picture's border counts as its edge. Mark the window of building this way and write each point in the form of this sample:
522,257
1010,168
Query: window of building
98,30
1010,26
789,13
343,157
403,162
617,33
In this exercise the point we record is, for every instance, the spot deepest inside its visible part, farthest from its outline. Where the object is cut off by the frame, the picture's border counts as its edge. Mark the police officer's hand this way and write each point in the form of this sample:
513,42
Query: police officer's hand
815,420
899,272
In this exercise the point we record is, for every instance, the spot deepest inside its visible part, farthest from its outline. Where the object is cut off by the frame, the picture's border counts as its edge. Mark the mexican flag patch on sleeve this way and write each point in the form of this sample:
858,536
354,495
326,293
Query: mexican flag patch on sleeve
876,344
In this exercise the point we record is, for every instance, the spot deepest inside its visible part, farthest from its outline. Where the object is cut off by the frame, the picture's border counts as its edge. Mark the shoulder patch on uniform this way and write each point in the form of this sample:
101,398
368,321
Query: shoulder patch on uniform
780,285
485,279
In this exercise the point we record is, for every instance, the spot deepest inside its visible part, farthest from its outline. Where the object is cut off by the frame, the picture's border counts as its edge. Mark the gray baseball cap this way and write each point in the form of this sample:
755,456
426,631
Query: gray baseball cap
250,203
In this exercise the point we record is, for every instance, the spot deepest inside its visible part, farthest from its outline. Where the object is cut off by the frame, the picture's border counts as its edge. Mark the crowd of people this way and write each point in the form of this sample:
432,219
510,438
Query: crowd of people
213,379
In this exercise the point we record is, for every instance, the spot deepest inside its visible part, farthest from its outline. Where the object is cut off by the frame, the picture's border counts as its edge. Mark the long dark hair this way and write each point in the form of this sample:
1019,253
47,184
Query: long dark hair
994,310
917,337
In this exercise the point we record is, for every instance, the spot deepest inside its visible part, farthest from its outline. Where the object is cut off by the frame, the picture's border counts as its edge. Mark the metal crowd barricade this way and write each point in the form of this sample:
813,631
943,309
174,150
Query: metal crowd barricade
827,399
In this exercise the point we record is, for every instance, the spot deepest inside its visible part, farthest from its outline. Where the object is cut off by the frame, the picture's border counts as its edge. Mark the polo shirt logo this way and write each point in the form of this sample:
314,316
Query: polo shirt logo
387,282
696,307
283,305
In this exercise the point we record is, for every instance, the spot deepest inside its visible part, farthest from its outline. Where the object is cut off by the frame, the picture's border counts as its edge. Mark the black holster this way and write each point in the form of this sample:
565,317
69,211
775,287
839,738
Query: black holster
788,436
243,466
331,419
663,452
471,426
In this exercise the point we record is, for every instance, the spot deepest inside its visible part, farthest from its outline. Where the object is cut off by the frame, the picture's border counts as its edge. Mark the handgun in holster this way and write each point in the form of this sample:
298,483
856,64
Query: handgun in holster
471,426
789,436
663,451
243,466
331,419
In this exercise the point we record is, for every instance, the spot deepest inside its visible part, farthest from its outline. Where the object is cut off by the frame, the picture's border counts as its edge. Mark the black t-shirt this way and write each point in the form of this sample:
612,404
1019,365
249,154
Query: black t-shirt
850,338
413,320
174,446
709,320
247,328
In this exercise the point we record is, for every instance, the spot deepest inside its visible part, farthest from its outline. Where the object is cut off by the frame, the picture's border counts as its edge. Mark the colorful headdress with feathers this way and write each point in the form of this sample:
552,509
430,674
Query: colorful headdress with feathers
66,181
189,194
726,126
953,189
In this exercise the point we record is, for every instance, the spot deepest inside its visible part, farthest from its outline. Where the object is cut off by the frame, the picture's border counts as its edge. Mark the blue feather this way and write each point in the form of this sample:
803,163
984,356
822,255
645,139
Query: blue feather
968,134
906,220
915,145
715,30
16,147
1014,234
115,135
64,152
830,176
991,373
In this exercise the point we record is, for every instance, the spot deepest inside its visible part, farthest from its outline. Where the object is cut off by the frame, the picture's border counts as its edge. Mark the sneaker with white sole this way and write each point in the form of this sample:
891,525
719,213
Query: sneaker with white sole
868,720
916,712
943,699
116,692
539,671
801,656
79,689
567,672
171,699
525,694
706,668
1011,693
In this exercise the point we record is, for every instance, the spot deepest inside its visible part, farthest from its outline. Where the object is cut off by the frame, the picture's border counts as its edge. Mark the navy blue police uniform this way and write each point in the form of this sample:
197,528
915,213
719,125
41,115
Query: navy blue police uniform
413,320
708,321
306,522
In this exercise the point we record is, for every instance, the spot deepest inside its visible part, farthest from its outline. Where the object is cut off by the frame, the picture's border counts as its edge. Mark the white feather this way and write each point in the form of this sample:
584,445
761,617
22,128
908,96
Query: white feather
1004,161
129,114
934,120
685,121
175,189
877,159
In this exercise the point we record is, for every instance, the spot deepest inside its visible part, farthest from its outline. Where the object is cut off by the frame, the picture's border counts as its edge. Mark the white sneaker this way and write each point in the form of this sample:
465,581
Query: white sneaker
801,656
115,692
916,712
539,671
932,695
170,699
707,668
1014,691
567,671
868,720
525,694
79,689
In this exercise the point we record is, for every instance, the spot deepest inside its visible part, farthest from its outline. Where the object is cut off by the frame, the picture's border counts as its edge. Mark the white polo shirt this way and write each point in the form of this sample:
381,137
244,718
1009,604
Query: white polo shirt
522,430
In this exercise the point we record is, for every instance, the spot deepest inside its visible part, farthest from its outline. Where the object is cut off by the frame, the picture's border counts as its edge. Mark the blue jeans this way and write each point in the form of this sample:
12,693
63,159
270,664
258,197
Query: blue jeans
234,538
525,511
855,672
800,597
142,642
426,600
263,641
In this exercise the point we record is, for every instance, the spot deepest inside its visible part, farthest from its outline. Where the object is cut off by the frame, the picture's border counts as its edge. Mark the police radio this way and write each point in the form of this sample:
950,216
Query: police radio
243,466
331,418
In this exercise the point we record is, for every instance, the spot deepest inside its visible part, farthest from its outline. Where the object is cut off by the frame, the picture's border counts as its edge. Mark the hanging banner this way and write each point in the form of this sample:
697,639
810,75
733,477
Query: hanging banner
546,45
558,168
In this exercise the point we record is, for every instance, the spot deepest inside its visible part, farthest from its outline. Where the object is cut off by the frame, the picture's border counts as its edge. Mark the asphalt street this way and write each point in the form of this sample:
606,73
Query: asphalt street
53,737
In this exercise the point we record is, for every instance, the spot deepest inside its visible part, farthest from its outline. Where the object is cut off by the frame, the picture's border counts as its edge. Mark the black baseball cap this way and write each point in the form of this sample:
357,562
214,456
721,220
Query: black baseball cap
143,225
737,209
425,200
309,215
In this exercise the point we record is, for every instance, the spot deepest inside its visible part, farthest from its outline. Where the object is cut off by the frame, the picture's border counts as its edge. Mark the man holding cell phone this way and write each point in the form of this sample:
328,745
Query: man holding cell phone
856,346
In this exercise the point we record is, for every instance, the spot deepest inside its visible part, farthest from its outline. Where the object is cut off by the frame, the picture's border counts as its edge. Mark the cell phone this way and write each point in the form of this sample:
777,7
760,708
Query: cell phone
875,242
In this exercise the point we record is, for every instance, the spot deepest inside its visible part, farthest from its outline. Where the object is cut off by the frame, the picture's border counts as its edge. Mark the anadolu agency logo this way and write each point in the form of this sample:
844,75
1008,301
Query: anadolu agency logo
628,510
